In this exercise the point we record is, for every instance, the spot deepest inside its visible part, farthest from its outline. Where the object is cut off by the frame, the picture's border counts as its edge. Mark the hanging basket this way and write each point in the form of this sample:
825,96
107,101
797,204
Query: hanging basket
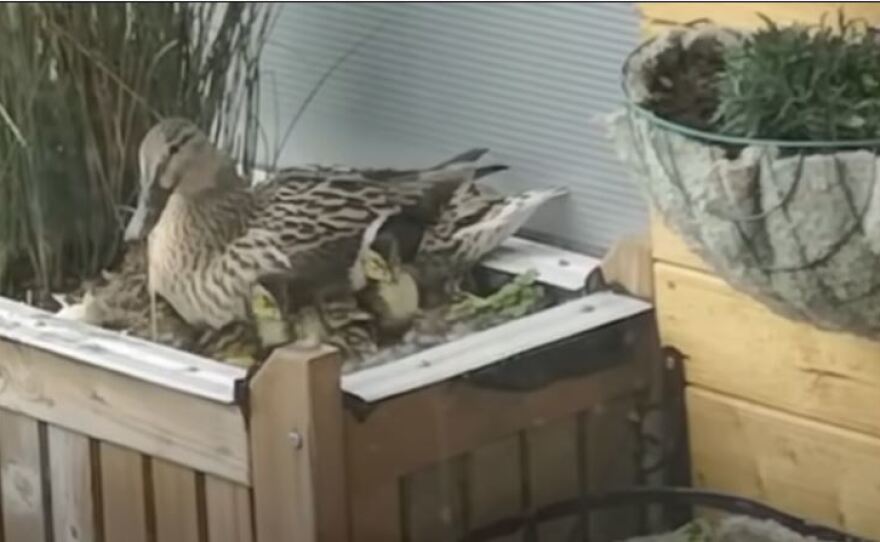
794,224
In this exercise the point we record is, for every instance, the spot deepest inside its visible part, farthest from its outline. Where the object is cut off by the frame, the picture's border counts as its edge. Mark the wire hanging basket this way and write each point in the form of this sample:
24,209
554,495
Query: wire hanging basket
795,224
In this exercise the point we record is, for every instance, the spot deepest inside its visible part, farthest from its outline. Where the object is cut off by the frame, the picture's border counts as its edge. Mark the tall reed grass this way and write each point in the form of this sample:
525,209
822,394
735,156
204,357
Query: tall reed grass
79,86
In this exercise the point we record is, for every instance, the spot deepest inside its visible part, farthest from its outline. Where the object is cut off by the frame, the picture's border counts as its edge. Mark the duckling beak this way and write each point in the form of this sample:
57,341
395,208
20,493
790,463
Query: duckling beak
150,206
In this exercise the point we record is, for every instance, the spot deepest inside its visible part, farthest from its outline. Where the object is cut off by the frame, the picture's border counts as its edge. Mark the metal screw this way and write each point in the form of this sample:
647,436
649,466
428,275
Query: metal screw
296,439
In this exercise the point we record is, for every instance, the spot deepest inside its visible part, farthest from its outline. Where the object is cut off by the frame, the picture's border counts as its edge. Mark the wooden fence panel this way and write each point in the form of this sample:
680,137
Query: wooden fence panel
123,490
21,478
495,483
228,510
71,479
175,501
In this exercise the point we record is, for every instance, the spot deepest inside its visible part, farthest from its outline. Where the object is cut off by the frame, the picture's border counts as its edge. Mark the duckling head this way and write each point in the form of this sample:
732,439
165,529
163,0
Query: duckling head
175,157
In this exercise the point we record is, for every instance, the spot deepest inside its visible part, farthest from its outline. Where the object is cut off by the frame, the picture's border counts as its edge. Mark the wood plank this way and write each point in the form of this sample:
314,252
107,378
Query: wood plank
434,503
611,450
73,497
123,493
495,484
21,478
811,469
298,453
737,346
228,508
395,438
669,247
375,512
199,433
175,502
744,15
628,264
554,473
105,349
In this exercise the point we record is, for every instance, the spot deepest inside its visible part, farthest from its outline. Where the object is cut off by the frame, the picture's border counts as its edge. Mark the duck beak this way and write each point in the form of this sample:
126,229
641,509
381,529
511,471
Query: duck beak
150,205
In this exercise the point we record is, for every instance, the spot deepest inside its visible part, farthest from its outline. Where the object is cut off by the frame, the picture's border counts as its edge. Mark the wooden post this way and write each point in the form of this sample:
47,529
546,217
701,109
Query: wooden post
297,447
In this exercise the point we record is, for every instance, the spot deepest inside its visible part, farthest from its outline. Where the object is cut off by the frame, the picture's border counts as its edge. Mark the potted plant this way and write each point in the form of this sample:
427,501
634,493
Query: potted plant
760,149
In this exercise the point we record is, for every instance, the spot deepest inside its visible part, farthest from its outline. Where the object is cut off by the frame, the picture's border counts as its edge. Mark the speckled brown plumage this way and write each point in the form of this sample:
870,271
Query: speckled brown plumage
214,237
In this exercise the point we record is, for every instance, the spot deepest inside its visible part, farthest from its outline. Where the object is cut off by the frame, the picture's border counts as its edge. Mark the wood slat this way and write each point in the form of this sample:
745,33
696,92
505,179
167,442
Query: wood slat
811,469
744,15
73,497
554,473
628,264
611,460
434,503
21,478
495,484
737,346
297,447
228,508
667,246
175,502
375,511
203,434
123,494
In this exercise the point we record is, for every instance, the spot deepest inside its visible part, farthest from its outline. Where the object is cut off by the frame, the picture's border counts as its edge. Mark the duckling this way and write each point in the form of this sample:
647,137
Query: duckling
210,238
392,294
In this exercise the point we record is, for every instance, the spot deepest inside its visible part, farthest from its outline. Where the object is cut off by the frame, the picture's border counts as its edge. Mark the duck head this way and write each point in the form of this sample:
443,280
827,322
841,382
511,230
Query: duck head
175,157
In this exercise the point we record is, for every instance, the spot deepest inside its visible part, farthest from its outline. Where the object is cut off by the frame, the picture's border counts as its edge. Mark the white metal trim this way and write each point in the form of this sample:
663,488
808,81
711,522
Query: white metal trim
138,358
490,346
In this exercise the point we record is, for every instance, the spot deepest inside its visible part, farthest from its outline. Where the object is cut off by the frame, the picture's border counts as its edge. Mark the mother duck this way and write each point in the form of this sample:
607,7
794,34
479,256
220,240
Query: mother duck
212,237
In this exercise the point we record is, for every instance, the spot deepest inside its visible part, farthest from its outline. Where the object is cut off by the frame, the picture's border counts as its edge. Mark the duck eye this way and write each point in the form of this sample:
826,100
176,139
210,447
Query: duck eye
173,149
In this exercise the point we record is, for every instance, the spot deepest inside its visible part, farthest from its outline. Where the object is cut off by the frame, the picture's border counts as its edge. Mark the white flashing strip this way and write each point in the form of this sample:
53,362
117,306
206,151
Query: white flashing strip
555,266
113,351
490,346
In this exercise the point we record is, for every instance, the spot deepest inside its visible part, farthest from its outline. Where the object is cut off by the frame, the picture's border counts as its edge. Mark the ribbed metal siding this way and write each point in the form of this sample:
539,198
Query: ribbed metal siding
526,80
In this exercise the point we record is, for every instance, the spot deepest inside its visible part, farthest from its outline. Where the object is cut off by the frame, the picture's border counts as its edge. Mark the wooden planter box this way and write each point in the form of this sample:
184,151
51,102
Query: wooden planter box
107,438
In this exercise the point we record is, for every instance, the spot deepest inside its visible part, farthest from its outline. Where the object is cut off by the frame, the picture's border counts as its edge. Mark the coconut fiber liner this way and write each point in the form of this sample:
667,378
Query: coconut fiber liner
796,227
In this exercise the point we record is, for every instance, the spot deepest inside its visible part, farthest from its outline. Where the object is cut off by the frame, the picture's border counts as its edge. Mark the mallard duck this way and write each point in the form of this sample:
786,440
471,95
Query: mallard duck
439,253
120,300
474,223
211,238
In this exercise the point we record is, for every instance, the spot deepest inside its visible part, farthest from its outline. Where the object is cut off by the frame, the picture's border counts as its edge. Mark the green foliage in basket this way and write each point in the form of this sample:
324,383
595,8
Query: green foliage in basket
798,82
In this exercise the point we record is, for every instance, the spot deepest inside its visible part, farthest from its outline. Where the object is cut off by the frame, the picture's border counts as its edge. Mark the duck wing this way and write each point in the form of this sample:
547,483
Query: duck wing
314,227
473,225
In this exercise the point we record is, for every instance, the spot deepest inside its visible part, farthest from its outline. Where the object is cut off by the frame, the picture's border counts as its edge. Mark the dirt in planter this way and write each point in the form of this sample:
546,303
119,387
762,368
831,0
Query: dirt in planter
682,82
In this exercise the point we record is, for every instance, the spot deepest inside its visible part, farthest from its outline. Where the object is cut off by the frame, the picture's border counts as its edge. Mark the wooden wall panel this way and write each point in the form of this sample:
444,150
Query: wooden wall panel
744,14
807,468
735,345
667,246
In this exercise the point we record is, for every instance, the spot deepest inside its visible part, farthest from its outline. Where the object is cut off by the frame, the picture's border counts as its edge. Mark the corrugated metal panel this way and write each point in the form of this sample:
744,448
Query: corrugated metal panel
526,80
